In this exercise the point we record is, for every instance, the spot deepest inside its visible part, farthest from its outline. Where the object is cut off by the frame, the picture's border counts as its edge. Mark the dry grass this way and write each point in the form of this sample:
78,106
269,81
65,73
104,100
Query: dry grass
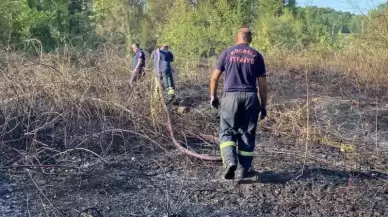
60,113
53,106
331,100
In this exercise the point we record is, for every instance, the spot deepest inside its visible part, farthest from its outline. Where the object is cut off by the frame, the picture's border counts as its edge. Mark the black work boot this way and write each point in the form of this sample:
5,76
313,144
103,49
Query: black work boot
229,171
171,98
241,173
171,95
229,160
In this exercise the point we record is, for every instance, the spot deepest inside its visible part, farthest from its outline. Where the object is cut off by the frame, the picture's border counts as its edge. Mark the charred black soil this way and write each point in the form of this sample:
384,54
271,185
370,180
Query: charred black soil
106,162
162,184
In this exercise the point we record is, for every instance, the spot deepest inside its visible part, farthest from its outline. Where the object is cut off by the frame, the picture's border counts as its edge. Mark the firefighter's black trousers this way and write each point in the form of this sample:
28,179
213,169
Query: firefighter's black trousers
239,114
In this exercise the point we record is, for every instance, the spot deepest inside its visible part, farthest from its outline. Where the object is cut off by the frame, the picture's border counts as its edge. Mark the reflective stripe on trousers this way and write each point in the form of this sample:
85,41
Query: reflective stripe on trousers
228,153
167,77
170,90
238,122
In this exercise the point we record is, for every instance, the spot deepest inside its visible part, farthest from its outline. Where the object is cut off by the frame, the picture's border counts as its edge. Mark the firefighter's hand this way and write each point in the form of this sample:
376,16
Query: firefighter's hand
214,102
263,112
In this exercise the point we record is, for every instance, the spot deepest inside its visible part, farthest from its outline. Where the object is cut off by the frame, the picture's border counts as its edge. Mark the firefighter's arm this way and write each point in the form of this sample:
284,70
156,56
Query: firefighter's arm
139,63
262,80
263,92
214,82
220,67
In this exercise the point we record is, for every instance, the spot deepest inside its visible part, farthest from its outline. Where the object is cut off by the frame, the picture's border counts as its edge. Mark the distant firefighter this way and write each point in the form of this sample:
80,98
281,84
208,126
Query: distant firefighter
162,59
138,63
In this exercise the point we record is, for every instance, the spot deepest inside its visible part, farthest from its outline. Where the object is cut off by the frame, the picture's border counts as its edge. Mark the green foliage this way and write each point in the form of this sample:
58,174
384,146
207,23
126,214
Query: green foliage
278,33
51,23
270,8
206,28
377,30
193,29
8,12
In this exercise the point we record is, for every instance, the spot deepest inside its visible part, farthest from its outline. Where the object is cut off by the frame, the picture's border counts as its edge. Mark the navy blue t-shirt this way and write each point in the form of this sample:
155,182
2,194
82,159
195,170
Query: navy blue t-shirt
166,57
241,65
139,55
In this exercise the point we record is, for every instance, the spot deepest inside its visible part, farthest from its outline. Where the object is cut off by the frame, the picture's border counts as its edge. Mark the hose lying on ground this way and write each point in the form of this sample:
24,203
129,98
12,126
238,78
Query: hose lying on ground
169,123
170,129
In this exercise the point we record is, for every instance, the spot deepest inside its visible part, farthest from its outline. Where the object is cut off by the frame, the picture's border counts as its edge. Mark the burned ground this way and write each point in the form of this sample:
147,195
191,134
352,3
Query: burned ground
115,158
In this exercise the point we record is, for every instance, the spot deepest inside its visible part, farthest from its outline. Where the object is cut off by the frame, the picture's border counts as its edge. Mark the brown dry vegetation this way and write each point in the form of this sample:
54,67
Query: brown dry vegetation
69,122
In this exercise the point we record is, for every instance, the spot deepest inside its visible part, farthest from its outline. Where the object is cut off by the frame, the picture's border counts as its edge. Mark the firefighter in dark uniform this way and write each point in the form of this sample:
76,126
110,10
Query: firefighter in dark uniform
243,67
138,64
163,59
